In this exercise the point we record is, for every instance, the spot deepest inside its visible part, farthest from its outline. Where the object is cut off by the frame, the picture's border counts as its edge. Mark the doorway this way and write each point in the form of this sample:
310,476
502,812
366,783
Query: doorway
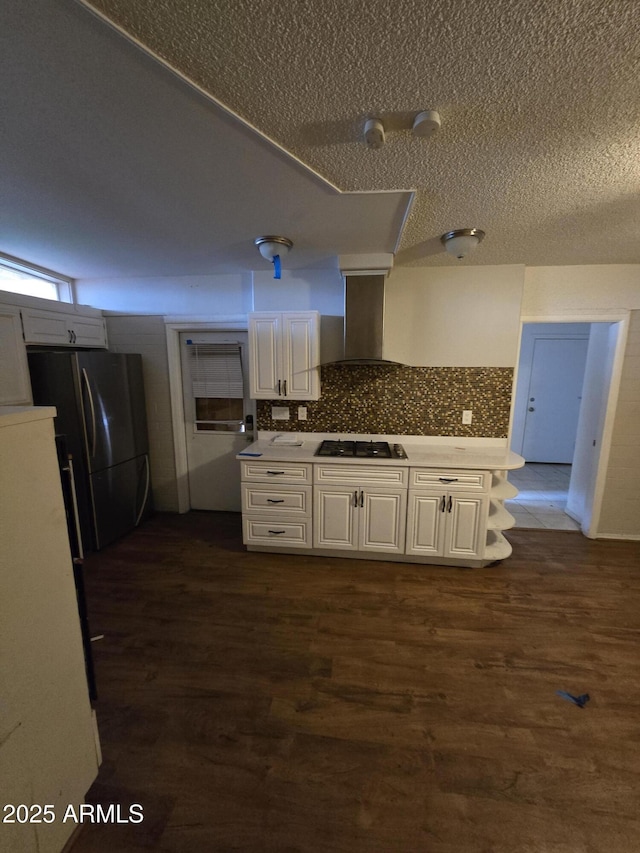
574,385
218,415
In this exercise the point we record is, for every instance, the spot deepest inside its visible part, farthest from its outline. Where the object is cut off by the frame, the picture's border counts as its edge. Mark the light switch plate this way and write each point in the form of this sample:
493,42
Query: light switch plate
467,415
280,413
302,413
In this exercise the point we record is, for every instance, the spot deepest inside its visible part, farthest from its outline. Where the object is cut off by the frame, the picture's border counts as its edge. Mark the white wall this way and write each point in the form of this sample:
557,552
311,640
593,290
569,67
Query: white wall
580,289
620,514
453,317
193,294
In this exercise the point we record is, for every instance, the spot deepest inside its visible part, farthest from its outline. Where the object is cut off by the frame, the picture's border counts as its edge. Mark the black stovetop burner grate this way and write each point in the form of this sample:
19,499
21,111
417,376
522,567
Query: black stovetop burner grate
359,449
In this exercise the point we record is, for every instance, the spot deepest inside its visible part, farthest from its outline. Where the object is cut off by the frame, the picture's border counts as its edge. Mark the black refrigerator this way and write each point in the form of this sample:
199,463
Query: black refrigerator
99,398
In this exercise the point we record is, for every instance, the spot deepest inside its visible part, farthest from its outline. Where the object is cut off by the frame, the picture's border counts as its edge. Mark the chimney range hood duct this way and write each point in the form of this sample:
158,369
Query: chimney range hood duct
364,320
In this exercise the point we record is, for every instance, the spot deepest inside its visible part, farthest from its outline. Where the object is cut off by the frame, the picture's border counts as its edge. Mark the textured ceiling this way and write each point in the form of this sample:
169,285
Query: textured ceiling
539,101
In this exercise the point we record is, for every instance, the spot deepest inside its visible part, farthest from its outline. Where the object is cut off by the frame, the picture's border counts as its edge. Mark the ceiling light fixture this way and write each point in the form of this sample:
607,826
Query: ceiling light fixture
273,249
459,243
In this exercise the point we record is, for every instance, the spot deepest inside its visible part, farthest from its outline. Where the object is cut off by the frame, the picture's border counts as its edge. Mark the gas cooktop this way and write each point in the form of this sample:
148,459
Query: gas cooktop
361,449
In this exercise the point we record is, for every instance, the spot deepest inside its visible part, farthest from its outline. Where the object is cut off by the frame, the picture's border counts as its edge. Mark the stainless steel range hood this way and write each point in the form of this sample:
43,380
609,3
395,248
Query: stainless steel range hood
364,319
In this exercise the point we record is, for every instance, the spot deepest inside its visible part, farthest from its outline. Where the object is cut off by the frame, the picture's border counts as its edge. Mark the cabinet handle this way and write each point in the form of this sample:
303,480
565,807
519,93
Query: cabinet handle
361,499
275,501
75,337
450,504
274,473
355,498
448,479
444,503
279,389
276,532
284,385
69,333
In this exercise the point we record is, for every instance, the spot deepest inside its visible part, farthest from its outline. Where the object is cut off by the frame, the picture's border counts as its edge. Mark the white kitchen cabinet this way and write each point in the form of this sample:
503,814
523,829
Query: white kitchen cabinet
360,508
446,524
15,387
284,355
276,504
62,329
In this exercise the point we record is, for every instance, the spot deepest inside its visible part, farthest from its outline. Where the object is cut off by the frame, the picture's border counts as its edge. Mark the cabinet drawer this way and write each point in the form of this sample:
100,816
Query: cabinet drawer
276,500
292,533
452,481
360,475
282,472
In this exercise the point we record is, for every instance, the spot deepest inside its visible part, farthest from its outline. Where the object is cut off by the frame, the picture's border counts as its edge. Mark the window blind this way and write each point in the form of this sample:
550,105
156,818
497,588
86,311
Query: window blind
216,370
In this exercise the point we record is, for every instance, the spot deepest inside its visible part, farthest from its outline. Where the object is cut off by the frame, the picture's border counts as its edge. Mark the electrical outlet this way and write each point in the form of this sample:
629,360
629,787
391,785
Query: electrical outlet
302,413
467,415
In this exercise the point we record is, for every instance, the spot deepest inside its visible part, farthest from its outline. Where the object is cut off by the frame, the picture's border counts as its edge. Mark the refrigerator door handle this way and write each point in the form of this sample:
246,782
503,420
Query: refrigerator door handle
74,504
146,489
85,376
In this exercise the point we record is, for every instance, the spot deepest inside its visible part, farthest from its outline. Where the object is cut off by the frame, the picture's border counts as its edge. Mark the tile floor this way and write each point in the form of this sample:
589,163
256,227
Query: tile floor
542,496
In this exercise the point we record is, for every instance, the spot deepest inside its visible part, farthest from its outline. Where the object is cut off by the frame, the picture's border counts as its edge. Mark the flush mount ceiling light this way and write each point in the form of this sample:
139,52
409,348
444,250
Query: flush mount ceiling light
459,243
273,249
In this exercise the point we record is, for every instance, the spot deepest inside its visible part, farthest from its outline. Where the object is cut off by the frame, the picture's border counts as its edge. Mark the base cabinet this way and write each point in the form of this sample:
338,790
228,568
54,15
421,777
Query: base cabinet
360,519
418,515
441,524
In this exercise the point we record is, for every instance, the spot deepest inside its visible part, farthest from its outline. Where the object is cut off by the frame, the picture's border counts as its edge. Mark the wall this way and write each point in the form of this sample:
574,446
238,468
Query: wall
453,316
193,294
620,514
398,400
146,335
580,289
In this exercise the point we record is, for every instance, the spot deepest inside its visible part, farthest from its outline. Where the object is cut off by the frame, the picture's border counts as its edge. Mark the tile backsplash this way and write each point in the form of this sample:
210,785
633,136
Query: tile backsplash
400,400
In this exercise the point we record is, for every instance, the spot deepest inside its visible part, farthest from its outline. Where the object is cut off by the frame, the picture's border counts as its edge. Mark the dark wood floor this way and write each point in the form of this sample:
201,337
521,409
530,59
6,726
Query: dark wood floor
278,703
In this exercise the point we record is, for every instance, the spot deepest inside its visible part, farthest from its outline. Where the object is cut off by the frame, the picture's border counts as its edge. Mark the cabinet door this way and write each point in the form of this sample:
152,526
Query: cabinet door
382,521
264,356
426,524
466,526
300,356
15,388
47,327
89,332
335,518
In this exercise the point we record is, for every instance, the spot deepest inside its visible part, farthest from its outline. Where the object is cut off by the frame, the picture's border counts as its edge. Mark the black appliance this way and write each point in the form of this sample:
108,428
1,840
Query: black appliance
99,398
361,449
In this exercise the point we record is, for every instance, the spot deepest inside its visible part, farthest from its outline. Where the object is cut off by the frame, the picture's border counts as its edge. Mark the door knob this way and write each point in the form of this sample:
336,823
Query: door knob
531,409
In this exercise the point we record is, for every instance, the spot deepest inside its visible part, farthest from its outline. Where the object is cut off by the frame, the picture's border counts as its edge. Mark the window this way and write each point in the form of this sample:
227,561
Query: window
20,277
217,386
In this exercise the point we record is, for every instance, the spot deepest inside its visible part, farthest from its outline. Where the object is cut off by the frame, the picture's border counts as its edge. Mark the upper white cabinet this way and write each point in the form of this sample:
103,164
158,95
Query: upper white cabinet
42,326
15,387
284,355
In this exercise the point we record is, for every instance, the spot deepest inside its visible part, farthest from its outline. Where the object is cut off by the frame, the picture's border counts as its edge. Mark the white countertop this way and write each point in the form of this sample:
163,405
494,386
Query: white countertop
422,455
10,415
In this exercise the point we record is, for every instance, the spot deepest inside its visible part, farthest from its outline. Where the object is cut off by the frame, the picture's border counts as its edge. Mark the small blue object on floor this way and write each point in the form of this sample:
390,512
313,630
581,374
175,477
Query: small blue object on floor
580,701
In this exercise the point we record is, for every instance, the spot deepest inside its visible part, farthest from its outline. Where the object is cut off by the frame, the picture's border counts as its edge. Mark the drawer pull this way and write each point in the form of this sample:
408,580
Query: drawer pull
448,479
355,498
444,503
275,500
276,532
274,473
450,504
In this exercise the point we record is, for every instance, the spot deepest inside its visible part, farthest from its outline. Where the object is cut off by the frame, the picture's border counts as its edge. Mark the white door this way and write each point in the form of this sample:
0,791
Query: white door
425,524
215,383
335,521
466,526
382,520
553,401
